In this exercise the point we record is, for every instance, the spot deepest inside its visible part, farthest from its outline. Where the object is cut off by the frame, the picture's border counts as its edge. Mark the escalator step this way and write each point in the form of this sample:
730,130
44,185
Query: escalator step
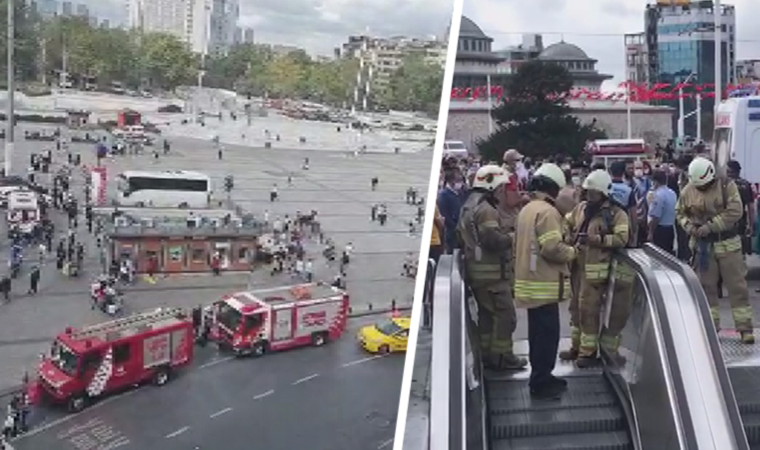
508,389
752,427
520,400
556,421
580,441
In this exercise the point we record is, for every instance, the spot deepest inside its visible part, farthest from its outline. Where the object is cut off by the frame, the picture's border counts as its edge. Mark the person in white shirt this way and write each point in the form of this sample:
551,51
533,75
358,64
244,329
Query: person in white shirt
309,270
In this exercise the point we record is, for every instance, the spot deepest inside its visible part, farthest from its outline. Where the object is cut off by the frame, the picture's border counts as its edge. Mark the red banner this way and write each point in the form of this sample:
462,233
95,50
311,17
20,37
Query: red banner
640,93
99,186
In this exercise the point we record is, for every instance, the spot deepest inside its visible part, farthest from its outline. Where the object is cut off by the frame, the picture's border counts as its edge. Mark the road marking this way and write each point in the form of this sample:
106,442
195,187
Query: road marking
177,433
215,362
54,423
265,394
310,377
363,360
219,413
385,444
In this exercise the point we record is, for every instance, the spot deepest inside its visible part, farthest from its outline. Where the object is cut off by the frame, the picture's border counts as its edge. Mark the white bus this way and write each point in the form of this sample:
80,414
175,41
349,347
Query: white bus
168,189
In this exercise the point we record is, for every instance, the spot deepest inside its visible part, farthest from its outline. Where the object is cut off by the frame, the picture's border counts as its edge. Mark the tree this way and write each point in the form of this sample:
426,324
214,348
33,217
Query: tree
27,47
535,117
284,76
167,61
416,85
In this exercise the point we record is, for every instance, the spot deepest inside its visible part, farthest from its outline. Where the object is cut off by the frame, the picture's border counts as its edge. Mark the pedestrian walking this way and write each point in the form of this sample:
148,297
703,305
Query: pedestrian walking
5,287
34,280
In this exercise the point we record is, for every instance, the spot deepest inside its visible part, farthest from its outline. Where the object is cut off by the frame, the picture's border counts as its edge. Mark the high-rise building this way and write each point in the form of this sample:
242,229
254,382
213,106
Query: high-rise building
213,25
46,8
67,9
636,58
164,16
83,11
680,43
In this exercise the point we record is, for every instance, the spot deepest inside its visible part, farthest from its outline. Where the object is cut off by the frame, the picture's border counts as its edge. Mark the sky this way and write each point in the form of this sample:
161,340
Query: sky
597,26
321,25
318,26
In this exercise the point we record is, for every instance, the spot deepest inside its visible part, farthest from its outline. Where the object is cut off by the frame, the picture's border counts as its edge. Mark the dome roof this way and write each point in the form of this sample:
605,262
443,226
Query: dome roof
468,28
563,51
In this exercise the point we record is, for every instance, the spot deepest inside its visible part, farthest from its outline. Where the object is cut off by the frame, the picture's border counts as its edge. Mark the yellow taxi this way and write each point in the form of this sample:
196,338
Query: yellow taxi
390,335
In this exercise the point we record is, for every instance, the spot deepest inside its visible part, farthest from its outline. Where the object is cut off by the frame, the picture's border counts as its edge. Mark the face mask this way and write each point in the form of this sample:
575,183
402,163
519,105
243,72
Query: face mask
638,173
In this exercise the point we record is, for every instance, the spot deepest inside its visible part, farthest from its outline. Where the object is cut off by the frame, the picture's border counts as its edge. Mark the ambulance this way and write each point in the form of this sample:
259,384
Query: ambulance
23,211
100,359
257,322
737,136
608,151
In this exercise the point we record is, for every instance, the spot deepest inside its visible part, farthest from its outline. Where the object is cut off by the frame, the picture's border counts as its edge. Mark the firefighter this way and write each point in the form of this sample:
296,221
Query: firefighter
487,244
542,276
599,226
708,210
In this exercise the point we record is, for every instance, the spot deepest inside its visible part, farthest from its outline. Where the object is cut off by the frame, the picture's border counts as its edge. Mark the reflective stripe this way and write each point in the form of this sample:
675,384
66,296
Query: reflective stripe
588,344
729,245
597,271
490,224
718,222
540,290
485,271
622,229
611,343
715,313
548,236
575,337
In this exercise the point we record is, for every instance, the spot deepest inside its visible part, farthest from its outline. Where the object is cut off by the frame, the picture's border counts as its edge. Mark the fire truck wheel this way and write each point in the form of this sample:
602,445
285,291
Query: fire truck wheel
383,349
76,403
319,339
140,204
162,376
258,349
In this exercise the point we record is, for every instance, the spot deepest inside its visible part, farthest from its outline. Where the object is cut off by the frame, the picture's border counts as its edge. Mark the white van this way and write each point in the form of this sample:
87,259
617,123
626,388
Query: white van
23,211
737,136
455,148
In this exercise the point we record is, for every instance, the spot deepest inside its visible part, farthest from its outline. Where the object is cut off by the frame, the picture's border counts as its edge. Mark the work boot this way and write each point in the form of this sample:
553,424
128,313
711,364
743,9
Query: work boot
747,337
505,362
570,354
585,362
618,359
561,382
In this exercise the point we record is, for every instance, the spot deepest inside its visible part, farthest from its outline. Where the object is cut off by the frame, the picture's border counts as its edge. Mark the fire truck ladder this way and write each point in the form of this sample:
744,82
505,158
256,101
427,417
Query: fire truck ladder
135,321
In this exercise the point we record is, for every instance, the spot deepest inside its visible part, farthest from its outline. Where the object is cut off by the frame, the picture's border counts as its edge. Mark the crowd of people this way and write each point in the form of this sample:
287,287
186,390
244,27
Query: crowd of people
534,234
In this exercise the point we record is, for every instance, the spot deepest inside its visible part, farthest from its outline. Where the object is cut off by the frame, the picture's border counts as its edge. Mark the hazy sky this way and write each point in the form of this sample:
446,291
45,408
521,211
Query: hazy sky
321,25
597,26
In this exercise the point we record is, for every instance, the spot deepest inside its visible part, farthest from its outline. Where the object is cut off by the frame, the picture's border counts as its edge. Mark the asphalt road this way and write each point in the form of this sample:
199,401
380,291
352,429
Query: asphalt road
330,398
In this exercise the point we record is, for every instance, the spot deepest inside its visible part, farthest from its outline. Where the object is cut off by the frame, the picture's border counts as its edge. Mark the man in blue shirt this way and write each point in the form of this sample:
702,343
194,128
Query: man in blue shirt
450,201
662,213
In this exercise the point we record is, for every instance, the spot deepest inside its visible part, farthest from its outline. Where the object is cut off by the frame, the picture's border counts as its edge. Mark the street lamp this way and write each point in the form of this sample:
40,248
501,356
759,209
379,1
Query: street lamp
681,116
718,56
11,115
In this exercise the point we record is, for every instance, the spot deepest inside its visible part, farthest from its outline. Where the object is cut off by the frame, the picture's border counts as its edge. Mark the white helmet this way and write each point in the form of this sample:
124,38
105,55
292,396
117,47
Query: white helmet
598,180
701,171
552,172
490,177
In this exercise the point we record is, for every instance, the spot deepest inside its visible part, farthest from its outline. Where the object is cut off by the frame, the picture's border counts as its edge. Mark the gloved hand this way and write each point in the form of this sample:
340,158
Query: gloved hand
702,231
595,240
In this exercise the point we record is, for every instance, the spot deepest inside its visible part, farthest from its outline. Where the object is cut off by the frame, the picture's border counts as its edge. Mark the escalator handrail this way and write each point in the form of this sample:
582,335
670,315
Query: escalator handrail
446,381
694,285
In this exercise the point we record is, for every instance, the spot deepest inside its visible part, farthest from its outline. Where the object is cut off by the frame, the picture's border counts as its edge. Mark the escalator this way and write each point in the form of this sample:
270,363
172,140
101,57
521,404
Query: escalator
589,416
660,393
746,383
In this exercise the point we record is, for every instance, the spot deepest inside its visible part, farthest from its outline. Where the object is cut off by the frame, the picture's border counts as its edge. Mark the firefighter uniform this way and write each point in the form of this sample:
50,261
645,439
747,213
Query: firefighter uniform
608,229
708,210
487,244
542,277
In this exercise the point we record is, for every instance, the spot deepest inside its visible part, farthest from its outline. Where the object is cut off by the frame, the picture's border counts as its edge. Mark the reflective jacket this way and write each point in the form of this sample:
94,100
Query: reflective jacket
610,223
480,224
542,275
720,207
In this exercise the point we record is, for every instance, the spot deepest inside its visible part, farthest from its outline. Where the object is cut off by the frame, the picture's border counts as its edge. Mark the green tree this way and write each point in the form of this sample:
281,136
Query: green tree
166,61
535,118
416,85
26,47
284,76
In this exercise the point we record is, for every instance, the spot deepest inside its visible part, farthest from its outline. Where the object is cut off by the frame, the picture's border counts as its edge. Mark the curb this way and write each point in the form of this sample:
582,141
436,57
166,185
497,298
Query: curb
10,391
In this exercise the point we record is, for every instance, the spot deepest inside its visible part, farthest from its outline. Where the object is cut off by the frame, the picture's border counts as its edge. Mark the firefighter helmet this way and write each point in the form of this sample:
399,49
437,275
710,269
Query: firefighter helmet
552,172
701,171
598,180
490,178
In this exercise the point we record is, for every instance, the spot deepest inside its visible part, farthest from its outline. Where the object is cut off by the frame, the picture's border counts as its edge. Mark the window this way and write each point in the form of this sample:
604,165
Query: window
167,184
253,322
199,255
91,361
121,353
243,254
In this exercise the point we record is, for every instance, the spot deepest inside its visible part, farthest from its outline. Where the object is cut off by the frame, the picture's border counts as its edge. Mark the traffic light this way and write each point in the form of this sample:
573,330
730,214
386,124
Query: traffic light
229,183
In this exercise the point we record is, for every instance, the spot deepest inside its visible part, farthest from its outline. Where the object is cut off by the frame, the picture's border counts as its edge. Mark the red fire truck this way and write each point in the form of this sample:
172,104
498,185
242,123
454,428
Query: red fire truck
256,322
107,357
608,151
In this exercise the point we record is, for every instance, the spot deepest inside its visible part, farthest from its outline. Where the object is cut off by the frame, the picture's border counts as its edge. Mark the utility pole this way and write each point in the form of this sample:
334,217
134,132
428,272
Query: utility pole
11,116
717,10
